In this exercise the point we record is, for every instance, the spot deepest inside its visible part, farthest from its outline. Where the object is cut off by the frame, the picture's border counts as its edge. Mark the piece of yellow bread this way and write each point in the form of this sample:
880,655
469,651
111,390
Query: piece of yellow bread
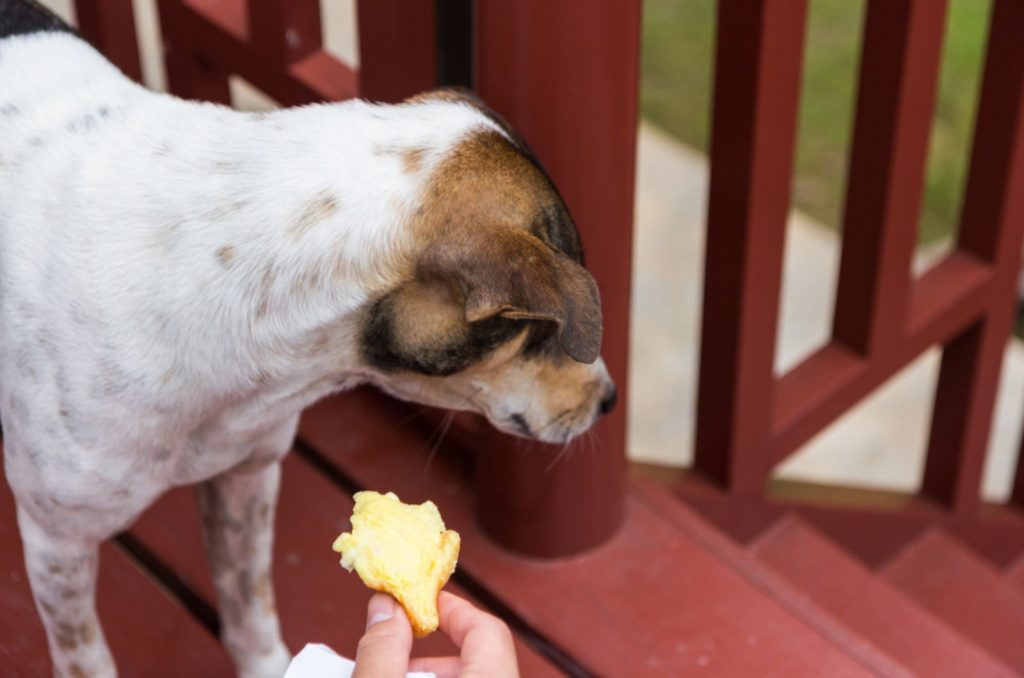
401,549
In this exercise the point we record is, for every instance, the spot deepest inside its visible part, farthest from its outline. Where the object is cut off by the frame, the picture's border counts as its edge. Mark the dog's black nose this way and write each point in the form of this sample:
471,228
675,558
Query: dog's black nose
609,401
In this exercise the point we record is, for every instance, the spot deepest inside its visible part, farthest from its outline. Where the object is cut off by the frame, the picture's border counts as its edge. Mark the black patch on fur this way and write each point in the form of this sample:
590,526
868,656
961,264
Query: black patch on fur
543,341
555,227
21,17
381,348
519,421
82,123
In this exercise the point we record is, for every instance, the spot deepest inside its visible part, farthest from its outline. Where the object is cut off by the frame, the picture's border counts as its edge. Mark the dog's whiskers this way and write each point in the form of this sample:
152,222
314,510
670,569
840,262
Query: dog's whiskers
438,436
563,453
557,419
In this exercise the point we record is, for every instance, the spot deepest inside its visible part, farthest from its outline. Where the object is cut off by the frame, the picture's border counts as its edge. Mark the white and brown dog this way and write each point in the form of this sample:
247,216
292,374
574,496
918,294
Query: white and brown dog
178,280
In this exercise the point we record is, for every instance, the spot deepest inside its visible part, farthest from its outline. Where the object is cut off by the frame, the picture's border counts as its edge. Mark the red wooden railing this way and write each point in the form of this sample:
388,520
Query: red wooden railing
749,418
564,74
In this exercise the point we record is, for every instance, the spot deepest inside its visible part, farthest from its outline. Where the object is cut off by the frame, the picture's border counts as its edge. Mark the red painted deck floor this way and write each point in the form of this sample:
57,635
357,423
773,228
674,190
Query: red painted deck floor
668,595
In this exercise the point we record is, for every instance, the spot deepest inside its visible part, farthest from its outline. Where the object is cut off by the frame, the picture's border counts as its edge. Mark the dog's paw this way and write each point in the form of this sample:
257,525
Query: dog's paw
270,665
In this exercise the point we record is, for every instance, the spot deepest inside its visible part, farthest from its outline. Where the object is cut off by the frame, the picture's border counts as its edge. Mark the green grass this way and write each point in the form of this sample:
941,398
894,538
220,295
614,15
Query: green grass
676,95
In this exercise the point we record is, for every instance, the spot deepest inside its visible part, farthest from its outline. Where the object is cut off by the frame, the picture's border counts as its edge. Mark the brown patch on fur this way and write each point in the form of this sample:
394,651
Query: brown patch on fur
483,180
493,224
264,592
66,636
412,159
77,671
211,511
225,255
87,632
307,283
320,343
428,316
340,269
316,210
266,282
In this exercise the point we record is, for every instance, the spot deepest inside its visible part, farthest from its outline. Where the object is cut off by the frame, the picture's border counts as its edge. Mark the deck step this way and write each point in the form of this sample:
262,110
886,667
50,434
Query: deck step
149,634
650,602
786,593
317,600
837,582
946,577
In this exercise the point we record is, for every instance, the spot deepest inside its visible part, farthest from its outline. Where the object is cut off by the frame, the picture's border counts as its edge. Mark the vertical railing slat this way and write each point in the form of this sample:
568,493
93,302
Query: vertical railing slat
397,48
188,75
284,31
565,75
895,101
991,228
110,26
757,84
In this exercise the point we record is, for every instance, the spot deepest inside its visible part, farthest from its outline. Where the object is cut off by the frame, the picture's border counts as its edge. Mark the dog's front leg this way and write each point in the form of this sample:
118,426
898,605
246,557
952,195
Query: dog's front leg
237,509
62,571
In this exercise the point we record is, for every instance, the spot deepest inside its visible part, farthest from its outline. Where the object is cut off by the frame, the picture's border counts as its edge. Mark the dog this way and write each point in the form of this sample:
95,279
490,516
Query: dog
179,280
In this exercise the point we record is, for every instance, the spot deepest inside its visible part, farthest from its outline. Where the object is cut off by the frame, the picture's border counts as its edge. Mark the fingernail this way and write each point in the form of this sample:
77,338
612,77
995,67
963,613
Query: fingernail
381,608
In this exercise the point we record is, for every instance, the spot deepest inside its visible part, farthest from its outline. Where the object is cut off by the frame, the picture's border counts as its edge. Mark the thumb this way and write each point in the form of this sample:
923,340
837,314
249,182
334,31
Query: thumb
384,649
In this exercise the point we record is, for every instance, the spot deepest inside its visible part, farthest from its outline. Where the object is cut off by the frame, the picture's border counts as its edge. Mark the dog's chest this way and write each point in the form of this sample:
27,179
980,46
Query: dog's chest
255,429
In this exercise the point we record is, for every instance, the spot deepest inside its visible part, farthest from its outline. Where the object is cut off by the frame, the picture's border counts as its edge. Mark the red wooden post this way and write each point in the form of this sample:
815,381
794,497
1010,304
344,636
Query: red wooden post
188,74
110,26
991,229
207,41
896,95
565,75
284,31
757,83
397,49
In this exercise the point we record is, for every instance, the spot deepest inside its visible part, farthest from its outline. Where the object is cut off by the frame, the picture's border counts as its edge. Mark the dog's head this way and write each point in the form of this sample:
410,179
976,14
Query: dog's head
498,314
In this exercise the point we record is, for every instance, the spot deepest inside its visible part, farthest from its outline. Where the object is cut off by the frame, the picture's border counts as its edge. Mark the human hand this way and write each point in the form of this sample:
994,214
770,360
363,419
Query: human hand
484,641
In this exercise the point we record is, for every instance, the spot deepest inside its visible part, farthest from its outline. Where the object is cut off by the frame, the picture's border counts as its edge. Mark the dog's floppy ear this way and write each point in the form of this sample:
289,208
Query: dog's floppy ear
511,273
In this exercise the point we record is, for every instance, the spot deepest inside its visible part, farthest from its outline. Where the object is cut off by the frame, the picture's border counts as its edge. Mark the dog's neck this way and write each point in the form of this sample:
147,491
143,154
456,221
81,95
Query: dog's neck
265,233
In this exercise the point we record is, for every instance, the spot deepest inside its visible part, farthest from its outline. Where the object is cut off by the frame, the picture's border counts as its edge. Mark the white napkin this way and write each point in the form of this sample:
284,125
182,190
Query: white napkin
316,660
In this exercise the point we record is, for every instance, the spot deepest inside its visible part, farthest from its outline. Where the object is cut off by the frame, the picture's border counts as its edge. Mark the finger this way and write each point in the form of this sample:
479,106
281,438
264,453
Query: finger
442,667
485,641
383,650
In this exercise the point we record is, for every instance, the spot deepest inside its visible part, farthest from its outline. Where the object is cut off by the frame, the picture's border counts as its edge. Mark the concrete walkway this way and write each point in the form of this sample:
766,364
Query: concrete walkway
880,443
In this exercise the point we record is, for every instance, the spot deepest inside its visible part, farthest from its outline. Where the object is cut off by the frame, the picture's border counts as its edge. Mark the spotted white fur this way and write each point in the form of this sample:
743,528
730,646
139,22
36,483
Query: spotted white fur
177,281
